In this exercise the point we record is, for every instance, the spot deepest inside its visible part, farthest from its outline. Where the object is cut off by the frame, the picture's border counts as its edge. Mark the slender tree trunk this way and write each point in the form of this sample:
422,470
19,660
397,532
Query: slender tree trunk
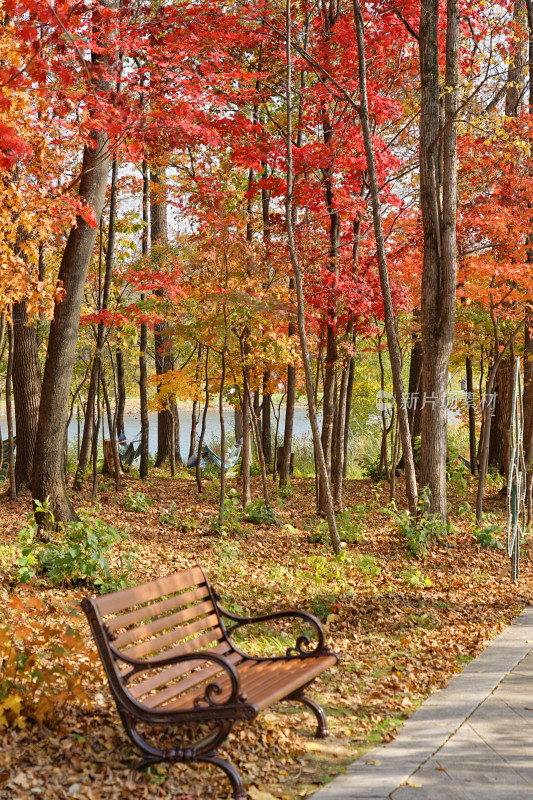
12,491
96,431
111,424
48,476
121,389
204,421
163,357
349,395
246,442
26,392
195,415
392,337
471,416
88,428
143,343
222,497
439,271
339,454
266,426
500,431
285,465
322,468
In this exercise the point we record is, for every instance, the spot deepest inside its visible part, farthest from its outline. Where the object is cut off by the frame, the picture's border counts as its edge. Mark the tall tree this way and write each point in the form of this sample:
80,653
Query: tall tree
48,473
438,179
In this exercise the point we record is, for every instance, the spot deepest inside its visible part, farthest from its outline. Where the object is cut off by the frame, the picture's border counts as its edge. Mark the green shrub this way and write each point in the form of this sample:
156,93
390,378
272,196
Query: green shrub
77,553
485,536
422,531
137,502
259,514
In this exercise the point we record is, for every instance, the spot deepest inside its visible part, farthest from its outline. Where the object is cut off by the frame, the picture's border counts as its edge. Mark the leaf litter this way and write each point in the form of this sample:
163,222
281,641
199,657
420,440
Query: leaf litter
403,627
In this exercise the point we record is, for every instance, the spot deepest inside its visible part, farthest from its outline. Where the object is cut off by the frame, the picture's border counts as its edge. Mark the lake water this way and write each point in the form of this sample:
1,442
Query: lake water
132,424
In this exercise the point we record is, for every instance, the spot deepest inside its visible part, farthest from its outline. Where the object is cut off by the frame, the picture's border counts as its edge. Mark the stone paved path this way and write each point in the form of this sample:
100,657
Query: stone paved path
471,741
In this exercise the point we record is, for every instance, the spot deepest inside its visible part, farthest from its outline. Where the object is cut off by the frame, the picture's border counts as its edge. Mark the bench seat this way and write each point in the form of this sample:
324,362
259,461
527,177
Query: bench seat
170,659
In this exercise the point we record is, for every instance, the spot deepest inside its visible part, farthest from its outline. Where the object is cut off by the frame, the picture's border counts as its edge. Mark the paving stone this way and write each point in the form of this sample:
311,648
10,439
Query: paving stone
470,741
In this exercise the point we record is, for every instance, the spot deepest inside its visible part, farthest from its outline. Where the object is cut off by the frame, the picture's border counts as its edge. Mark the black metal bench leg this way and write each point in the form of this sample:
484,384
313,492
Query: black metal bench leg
232,773
322,729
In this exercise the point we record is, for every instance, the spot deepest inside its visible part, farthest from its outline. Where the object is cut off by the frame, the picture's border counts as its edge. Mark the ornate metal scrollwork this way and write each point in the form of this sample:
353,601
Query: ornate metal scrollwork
208,699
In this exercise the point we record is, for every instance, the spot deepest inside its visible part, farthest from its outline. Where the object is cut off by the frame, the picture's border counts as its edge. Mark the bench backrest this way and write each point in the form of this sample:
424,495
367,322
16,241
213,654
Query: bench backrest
166,617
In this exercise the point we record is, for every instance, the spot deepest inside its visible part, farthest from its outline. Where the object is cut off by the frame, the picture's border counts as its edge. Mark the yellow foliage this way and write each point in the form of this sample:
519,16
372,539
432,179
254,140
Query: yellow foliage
41,663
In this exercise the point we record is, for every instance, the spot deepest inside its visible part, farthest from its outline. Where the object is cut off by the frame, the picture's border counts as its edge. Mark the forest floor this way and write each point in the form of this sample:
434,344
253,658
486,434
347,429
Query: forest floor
402,625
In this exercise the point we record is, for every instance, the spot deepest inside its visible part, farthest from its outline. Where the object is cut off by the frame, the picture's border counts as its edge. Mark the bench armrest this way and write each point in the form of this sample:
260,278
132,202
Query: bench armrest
302,646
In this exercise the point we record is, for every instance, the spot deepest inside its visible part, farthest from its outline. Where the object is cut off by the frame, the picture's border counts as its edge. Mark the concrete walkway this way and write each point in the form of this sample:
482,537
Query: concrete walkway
470,741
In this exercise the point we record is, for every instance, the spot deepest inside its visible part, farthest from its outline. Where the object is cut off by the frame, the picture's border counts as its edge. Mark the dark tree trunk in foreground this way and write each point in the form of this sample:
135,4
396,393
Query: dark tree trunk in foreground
439,270
26,392
48,475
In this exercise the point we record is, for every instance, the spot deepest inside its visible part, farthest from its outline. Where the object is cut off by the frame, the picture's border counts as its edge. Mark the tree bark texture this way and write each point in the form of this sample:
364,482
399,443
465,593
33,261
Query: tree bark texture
471,416
285,465
121,389
12,489
48,475
500,431
439,270
26,392
143,337
266,427
319,453
390,326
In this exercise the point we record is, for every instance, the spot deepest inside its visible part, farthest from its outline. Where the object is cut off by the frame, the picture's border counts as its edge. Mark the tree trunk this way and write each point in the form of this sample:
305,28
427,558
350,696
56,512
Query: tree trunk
163,357
439,270
121,390
500,431
322,469
246,442
392,337
471,416
349,395
48,476
266,426
143,344
88,428
222,496
26,392
285,466
12,490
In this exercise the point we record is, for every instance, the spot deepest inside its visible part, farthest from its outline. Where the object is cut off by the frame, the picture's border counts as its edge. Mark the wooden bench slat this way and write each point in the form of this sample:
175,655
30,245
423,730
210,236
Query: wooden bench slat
171,637
147,685
153,590
266,692
142,632
156,609
264,682
197,680
191,646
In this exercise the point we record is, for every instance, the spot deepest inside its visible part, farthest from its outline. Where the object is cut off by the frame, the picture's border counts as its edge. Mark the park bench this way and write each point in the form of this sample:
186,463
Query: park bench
172,666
